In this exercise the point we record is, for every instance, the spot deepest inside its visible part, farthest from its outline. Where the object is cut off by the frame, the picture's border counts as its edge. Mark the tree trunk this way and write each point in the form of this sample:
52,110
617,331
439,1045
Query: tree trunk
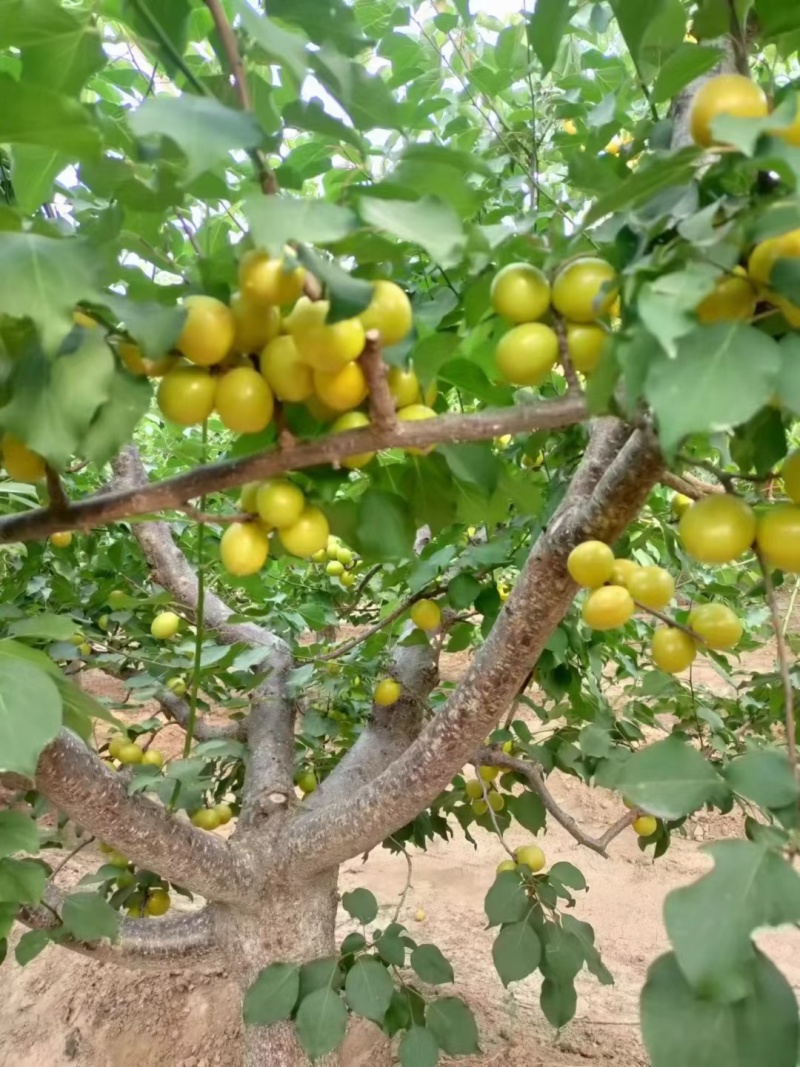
294,924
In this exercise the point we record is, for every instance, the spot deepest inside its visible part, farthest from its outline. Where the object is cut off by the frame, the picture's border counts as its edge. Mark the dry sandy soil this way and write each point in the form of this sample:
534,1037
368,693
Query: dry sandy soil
62,1010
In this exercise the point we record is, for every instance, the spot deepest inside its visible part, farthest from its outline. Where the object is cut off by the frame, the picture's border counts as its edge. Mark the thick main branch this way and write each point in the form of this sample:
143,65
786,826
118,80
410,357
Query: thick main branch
332,449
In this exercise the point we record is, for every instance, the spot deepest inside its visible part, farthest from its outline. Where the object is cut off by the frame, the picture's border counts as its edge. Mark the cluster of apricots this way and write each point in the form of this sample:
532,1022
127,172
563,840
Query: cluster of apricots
583,291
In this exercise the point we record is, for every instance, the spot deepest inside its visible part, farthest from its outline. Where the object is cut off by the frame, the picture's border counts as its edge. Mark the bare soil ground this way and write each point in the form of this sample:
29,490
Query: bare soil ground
62,1009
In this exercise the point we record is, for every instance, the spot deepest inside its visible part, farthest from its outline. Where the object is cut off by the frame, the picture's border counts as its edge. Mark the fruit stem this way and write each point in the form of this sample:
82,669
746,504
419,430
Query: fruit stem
673,623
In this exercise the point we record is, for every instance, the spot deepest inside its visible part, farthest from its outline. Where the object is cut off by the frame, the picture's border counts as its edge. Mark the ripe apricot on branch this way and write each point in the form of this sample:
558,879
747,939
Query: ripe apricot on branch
308,535
505,865
289,378
208,332
679,504
130,753
280,503
672,649
585,346
329,348
244,400
165,625
186,395
733,299
530,856
645,825
653,587
341,389
389,312
473,789
717,624
427,615
265,281
414,413
255,324
585,289
590,564
206,818
778,537
621,570
387,692
244,548
608,607
21,464
527,354
726,94
790,472
718,529
137,364
404,386
61,540
520,292
353,420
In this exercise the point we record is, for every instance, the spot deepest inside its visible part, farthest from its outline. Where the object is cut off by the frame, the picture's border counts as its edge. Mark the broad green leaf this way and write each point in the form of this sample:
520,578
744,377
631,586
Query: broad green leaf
18,833
64,60
668,779
348,295
546,28
361,905
651,31
273,995
33,170
711,922
563,954
789,374
276,220
353,942
680,1027
30,716
320,974
321,1022
431,965
32,114
162,28
154,327
765,776
312,116
721,376
568,875
44,627
453,1025
385,529
645,182
8,914
506,901
516,952
418,1048
54,402
204,129
427,222
21,881
88,917
558,1001
366,98
686,63
30,945
585,936
368,989
282,47
527,808
474,464
117,418
391,949
43,278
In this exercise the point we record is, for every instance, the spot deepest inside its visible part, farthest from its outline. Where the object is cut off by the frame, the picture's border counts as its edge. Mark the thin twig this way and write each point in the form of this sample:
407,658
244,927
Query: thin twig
381,402
491,812
190,234
407,886
726,478
689,485
58,499
69,856
359,639
571,375
790,610
211,519
783,662
673,623
266,175
362,585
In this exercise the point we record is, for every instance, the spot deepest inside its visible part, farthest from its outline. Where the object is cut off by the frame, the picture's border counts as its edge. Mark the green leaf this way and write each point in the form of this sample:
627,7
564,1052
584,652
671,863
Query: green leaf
155,327
353,942
348,295
21,881
284,48
568,875
44,627
585,935
321,1022
320,974
204,129
668,779
30,945
361,905
558,1001
527,808
546,28
721,375
273,995
117,418
385,527
453,1025
30,716
644,183
765,776
686,63
8,915
710,923
368,989
391,949
506,901
427,222
34,168
43,278
88,917
680,1027
311,115
32,114
55,401
516,952
276,220
474,464
64,59
418,1048
162,28
563,954
431,965
650,31
18,833
789,375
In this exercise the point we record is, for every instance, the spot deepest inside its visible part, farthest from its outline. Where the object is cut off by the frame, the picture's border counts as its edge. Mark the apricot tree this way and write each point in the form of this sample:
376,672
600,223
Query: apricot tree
435,303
